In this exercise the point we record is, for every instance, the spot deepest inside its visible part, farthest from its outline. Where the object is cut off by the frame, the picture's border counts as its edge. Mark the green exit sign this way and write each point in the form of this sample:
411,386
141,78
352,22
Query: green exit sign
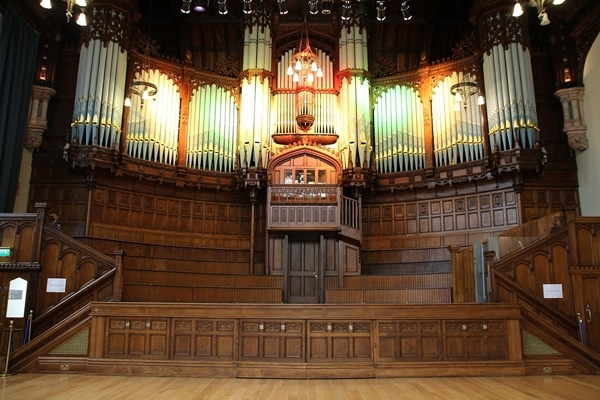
4,251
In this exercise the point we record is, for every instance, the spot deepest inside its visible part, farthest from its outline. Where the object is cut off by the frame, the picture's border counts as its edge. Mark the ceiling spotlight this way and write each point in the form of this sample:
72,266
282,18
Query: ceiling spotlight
405,9
326,6
186,6
346,10
381,8
200,5
283,8
313,6
222,5
47,4
247,6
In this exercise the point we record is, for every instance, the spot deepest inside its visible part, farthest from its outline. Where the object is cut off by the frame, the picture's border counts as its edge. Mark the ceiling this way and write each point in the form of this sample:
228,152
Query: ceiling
395,45
436,27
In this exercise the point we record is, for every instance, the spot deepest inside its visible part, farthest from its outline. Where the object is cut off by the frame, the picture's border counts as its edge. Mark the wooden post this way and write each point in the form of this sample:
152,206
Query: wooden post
118,280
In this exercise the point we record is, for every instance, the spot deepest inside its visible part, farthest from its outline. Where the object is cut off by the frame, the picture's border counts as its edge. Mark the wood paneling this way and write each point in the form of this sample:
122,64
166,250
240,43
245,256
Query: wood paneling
311,340
388,296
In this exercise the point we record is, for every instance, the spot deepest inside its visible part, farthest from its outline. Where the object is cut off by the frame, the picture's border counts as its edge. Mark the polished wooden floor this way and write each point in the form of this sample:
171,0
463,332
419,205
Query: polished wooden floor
95,387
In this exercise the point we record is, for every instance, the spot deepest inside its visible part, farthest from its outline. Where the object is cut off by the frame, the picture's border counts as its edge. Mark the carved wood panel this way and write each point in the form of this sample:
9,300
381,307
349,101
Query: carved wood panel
272,340
484,211
204,339
409,341
331,340
475,339
137,338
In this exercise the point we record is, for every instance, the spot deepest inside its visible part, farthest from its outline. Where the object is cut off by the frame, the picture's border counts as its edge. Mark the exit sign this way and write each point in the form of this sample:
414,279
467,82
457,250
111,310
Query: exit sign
4,251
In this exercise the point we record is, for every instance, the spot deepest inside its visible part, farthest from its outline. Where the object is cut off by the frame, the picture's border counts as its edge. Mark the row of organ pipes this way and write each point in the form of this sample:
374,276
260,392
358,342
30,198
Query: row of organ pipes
222,126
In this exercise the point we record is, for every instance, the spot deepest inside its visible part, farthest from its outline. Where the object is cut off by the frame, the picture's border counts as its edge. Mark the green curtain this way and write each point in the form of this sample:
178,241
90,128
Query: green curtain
18,52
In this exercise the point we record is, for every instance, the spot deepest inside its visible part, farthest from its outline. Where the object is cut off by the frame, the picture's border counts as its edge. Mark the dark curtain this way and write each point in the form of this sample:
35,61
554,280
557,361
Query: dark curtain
18,52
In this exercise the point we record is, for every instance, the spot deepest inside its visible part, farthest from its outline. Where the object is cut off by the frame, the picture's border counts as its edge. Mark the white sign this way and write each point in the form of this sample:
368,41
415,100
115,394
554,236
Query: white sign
56,285
17,293
553,291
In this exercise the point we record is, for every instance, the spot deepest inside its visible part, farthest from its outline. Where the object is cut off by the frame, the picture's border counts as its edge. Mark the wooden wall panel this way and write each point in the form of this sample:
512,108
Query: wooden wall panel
409,341
491,210
149,211
262,341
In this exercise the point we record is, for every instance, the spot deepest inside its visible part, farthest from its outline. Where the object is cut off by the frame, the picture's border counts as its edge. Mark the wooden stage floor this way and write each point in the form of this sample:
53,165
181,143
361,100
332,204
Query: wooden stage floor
96,387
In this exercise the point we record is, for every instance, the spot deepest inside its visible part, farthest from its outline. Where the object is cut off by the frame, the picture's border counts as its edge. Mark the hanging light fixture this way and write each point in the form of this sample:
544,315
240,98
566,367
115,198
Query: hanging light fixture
141,87
304,68
540,5
462,91
381,10
405,10
82,4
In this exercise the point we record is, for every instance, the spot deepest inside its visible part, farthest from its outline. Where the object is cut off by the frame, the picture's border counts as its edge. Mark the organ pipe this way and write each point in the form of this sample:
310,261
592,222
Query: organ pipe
212,129
97,111
399,131
153,128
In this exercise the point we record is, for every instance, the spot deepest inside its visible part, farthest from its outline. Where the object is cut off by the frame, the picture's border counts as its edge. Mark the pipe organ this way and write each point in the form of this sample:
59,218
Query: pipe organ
154,126
98,109
212,129
399,131
402,123
458,133
508,78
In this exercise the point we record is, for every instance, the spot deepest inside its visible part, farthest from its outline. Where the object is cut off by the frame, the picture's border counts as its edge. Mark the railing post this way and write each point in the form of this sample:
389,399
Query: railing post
490,263
118,281
36,243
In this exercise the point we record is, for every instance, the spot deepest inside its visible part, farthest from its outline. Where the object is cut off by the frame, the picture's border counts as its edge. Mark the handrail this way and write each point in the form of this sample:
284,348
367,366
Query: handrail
582,355
537,306
72,300
27,354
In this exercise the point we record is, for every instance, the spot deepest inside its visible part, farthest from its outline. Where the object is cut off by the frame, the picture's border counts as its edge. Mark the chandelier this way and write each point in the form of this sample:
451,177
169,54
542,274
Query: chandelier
462,91
304,68
539,4
141,87
81,18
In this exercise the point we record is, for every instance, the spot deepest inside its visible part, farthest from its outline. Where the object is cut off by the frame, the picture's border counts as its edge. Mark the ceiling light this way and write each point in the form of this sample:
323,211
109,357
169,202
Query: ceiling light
186,6
518,10
247,6
283,8
540,5
313,6
222,5
405,9
81,19
326,6
346,10
381,11
200,5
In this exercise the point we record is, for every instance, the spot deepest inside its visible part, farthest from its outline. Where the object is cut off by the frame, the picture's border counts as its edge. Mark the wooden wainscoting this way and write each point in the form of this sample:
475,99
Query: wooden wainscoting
304,341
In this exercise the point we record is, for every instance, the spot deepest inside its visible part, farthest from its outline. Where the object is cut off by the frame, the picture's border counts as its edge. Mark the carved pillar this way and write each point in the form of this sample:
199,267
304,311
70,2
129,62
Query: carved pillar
574,119
38,113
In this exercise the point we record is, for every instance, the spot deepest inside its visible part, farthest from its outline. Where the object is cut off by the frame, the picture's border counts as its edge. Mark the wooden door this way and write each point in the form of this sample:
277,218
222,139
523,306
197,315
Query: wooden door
303,270
589,310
